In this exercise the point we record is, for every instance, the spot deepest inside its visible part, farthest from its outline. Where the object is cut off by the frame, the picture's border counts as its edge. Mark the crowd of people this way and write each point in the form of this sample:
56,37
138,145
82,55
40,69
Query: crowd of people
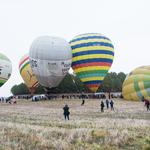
10,100
109,104
105,102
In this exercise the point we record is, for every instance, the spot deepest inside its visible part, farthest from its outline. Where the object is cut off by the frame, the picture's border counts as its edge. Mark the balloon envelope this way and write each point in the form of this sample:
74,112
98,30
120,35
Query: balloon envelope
137,84
93,55
50,59
5,69
27,74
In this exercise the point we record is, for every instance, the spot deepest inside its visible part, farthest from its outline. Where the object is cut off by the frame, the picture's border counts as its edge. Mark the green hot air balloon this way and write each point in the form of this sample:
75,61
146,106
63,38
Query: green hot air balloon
137,84
5,69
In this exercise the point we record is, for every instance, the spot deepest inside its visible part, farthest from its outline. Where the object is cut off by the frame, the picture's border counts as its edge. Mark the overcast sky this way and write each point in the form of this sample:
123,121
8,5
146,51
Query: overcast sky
125,22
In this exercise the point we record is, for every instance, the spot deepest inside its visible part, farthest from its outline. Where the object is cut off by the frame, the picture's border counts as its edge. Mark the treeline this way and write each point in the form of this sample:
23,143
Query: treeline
71,84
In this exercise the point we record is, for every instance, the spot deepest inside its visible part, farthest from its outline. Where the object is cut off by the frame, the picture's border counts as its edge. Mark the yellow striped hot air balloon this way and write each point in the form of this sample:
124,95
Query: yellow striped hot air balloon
137,84
27,74
93,55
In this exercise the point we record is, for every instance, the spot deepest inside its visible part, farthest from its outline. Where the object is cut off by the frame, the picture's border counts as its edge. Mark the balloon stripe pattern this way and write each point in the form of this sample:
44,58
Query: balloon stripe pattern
26,73
137,84
23,64
93,55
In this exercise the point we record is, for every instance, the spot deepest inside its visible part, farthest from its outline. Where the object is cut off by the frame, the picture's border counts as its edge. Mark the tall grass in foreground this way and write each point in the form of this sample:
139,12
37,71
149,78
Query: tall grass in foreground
40,126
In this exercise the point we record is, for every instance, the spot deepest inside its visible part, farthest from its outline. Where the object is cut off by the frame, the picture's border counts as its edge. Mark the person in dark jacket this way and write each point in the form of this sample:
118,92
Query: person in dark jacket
66,112
147,104
107,103
102,106
112,104
83,101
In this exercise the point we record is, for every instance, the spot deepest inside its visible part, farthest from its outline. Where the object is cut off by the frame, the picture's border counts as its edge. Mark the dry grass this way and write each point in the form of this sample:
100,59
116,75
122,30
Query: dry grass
40,126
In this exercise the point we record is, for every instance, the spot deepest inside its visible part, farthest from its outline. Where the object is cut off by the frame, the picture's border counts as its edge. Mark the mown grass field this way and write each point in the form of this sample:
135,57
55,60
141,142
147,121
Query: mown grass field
41,126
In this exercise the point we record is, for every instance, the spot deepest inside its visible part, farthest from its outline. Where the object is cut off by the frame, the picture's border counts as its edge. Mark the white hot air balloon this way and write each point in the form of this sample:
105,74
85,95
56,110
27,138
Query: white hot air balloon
50,59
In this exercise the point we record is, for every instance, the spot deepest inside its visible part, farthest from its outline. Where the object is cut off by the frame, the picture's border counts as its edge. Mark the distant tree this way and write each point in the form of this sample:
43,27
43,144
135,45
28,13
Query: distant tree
120,79
112,82
72,84
20,89
106,84
40,90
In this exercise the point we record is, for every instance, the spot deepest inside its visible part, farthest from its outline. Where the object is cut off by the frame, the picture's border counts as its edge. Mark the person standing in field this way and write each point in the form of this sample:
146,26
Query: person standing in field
66,112
83,101
147,104
102,106
107,103
112,104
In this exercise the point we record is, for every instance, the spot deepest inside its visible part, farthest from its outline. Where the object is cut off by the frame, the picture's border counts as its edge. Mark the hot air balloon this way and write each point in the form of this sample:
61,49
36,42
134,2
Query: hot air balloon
5,69
137,84
93,55
27,74
50,59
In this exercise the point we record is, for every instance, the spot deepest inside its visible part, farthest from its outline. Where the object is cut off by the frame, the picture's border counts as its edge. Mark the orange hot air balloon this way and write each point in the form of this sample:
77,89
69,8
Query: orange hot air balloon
27,74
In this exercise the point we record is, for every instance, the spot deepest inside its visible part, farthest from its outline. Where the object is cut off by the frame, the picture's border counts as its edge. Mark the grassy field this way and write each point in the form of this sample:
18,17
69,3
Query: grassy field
41,126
